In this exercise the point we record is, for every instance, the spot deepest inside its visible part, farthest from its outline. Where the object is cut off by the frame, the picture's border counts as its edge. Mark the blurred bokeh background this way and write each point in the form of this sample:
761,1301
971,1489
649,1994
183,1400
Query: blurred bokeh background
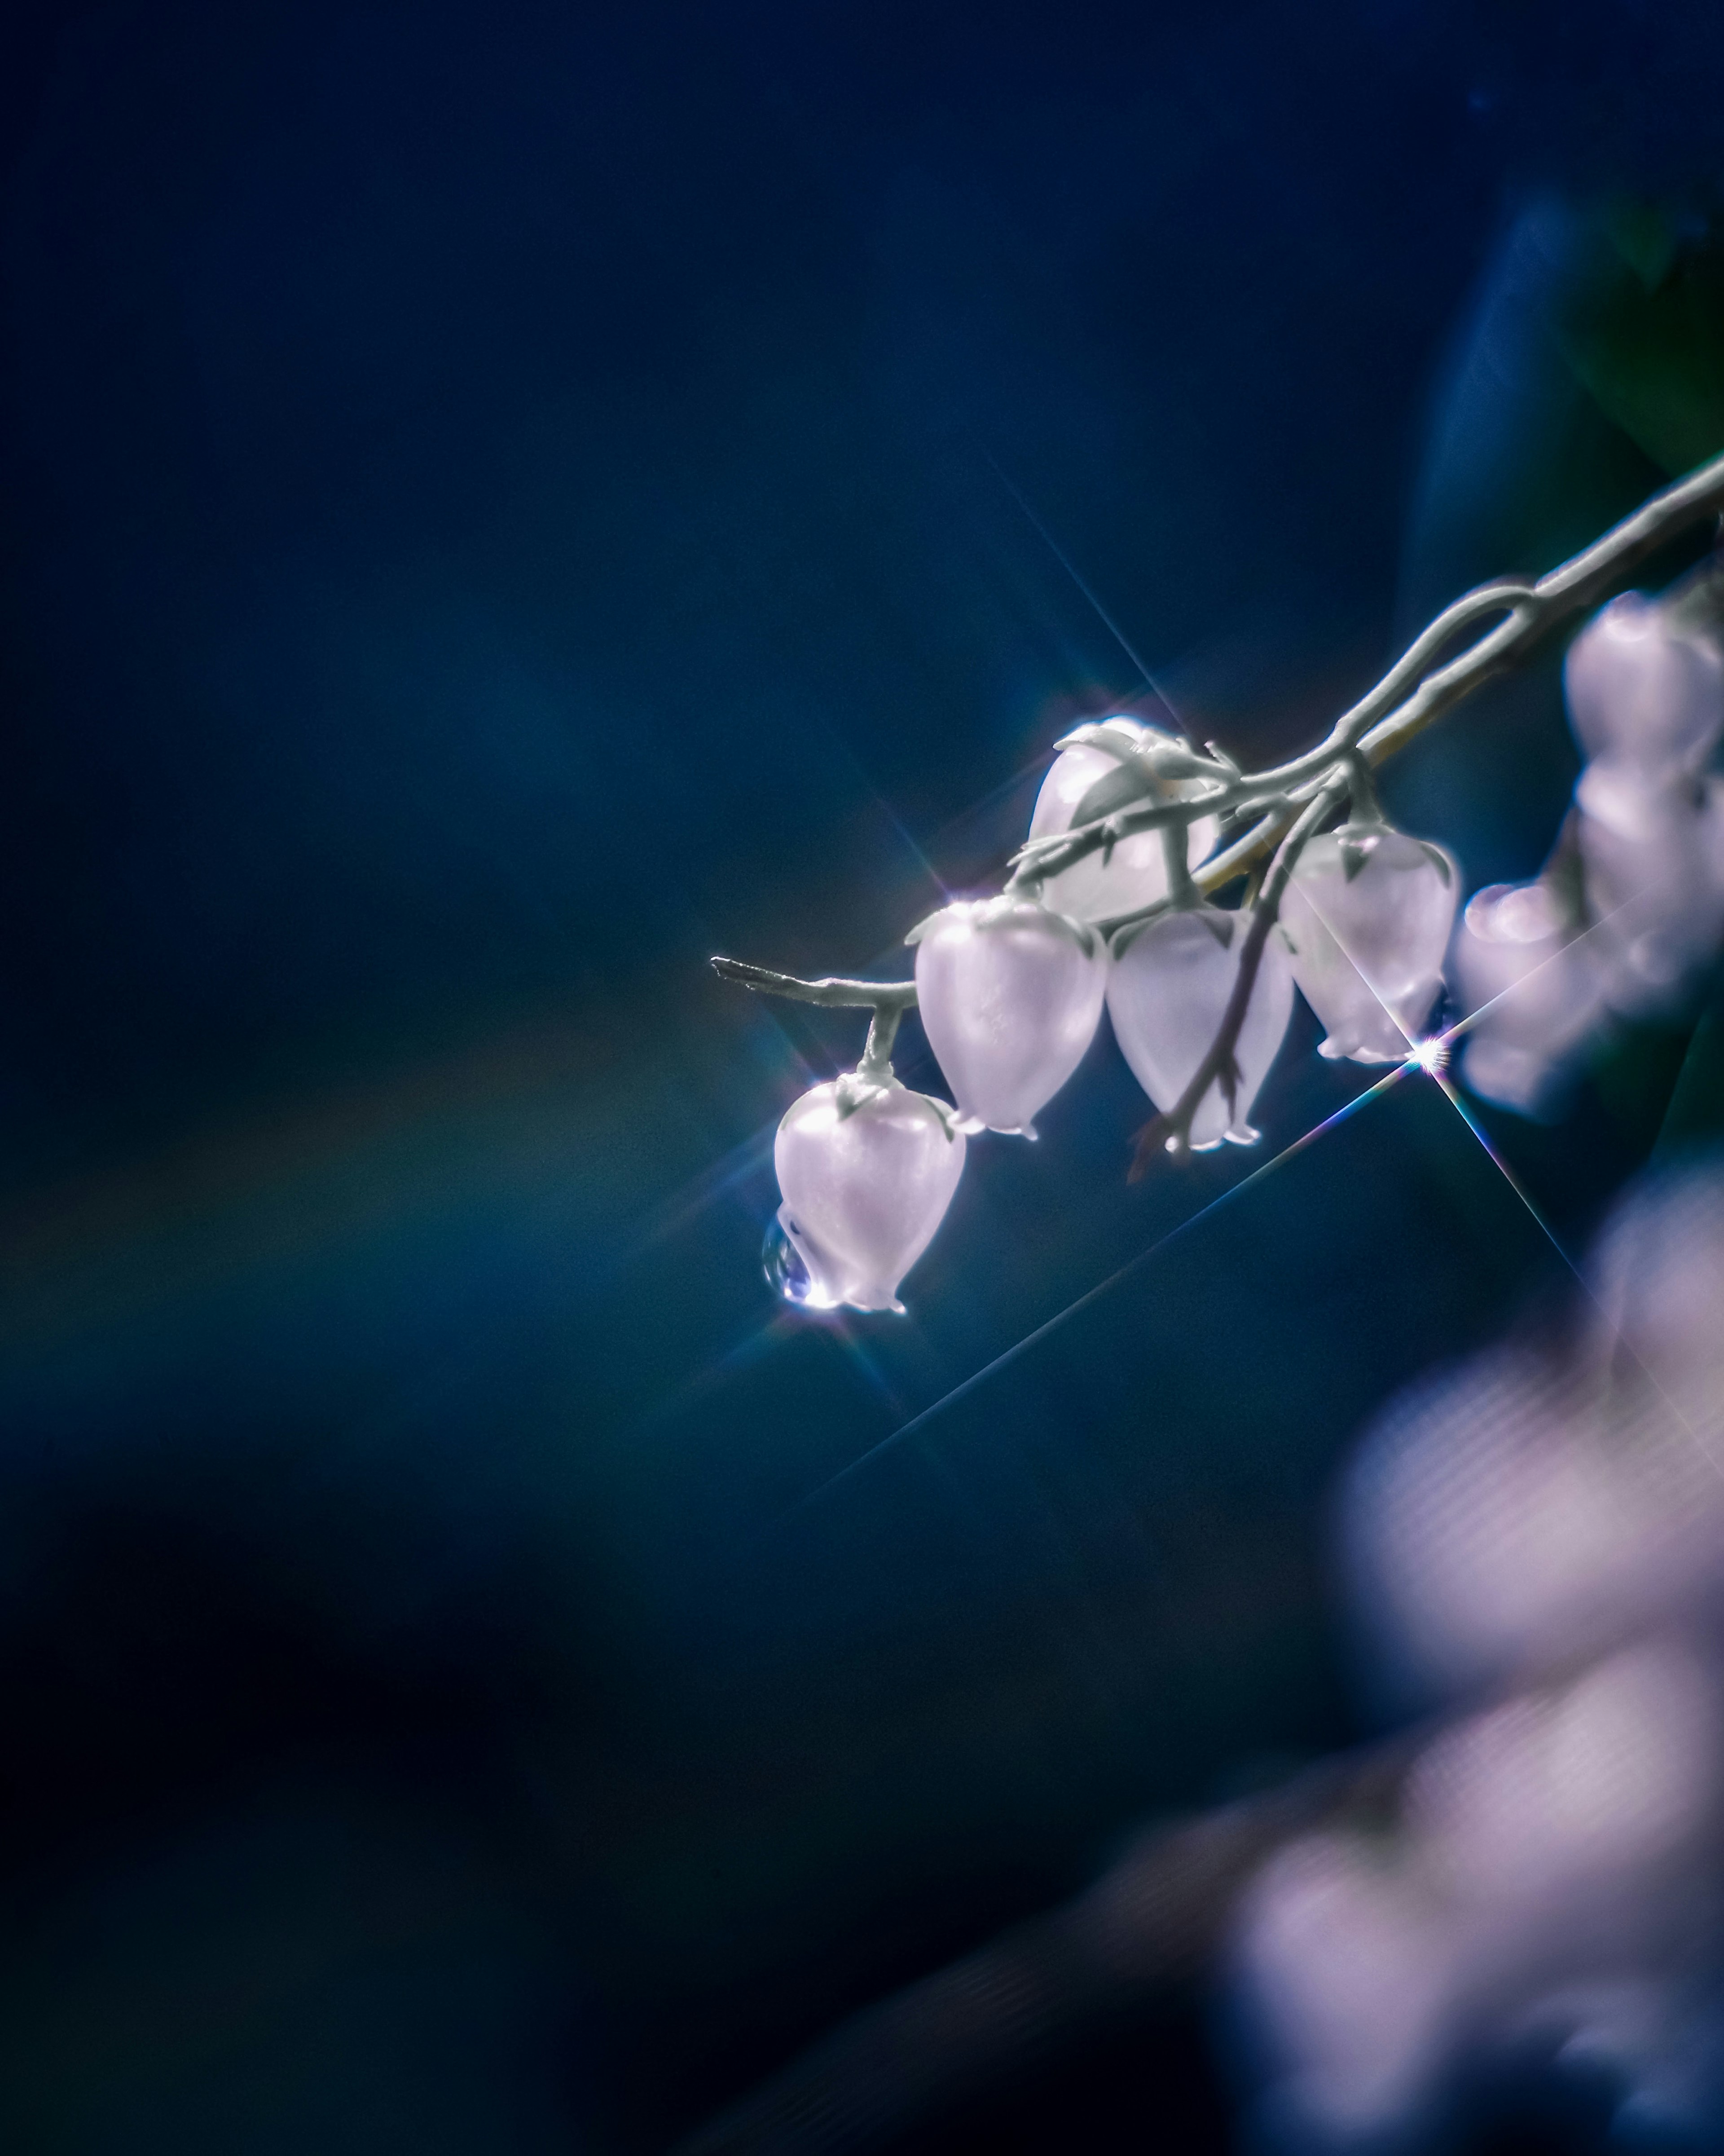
496,504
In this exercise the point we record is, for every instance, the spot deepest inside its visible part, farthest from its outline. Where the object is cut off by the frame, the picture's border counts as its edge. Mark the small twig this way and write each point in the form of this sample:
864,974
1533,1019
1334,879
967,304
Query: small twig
1363,806
879,996
1290,801
1171,1131
1409,697
882,1032
888,1000
1175,852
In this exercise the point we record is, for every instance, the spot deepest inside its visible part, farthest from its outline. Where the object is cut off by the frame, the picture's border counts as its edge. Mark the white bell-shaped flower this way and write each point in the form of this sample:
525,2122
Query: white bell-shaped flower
1642,689
867,1169
1367,914
1010,994
1518,963
1651,881
1166,997
1134,874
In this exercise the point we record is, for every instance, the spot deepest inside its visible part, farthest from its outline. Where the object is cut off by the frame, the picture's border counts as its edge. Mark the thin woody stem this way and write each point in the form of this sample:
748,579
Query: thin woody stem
882,1031
1171,1132
888,1000
1408,697
880,996
1290,801
1176,851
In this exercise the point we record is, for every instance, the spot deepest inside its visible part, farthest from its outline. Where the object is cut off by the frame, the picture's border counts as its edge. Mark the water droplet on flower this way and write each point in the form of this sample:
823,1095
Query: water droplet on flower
863,1195
781,1263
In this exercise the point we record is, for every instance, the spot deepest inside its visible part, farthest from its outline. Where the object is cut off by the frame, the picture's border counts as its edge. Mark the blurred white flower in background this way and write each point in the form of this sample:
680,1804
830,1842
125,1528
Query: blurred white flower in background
1645,689
1537,1545
1630,906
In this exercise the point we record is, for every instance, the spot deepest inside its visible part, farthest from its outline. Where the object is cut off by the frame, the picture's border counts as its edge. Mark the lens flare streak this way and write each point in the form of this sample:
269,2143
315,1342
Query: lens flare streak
1102,1287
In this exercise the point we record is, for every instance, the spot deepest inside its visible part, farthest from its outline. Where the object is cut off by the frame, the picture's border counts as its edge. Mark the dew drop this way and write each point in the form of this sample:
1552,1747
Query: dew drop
782,1262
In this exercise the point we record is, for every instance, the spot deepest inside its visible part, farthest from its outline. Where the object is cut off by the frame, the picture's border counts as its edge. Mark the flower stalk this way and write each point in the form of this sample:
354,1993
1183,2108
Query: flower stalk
1171,1132
1143,781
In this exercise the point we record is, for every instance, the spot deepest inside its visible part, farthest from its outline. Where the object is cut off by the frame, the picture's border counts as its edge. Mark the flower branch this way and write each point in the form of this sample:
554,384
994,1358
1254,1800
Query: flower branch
1134,832
1388,717
888,1000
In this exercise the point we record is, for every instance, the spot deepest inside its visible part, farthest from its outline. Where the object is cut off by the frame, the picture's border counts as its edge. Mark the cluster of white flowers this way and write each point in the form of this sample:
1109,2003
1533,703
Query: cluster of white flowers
1011,991
1631,904
1104,911
1542,1536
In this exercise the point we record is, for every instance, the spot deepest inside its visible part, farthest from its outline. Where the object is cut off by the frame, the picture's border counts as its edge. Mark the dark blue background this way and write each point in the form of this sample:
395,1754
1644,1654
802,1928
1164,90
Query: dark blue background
499,503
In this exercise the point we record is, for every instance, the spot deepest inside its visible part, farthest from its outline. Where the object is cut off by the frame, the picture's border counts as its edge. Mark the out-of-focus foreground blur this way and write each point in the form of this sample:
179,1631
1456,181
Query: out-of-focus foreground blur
1537,1543
499,503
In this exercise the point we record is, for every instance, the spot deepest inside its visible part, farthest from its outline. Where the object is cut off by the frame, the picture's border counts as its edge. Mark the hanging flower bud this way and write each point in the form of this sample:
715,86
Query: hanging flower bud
1010,994
867,1169
1167,996
1643,689
1084,783
1367,914
1651,883
1515,959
